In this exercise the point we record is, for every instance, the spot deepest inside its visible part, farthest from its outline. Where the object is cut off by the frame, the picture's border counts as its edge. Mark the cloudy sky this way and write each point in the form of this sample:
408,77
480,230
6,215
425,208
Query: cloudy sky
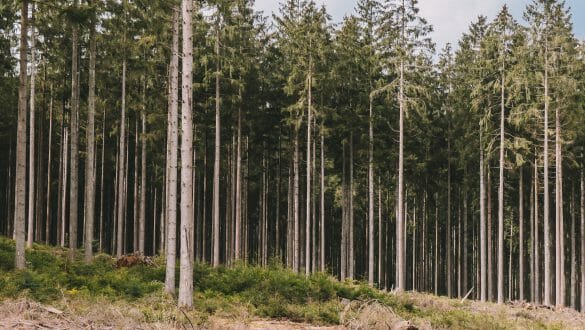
450,18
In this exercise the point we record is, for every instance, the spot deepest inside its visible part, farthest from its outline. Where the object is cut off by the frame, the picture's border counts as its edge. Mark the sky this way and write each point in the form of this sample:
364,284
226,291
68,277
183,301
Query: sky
450,18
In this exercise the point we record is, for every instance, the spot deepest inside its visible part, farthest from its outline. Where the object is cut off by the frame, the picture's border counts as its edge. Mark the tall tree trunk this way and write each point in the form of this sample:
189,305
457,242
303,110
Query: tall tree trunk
31,154
546,210
574,284
171,230
560,237
582,214
296,247
322,204
64,185
49,159
344,217
401,251
102,182
536,246
20,183
186,275
73,177
436,249
501,195
121,170
482,224
216,163
136,190
521,235
238,197
449,251
351,253
308,179
371,195
142,217
90,136
531,249
489,235
381,249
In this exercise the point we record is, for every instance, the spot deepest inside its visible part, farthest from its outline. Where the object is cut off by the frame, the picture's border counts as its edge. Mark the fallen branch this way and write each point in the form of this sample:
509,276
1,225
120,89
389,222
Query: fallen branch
467,295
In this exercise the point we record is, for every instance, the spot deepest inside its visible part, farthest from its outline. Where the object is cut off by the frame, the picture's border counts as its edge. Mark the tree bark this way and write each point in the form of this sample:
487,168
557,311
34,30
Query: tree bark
371,196
20,183
73,177
521,235
142,217
547,261
31,155
322,206
501,195
171,230
582,214
573,302
186,275
536,247
296,246
308,179
238,197
216,162
482,224
90,160
401,251
49,159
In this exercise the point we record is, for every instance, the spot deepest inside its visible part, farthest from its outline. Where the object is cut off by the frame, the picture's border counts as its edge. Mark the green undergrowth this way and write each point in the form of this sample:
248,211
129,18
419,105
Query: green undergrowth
239,291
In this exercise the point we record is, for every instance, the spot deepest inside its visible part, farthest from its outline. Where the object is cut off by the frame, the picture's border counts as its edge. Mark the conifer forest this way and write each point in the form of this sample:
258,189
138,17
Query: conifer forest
209,132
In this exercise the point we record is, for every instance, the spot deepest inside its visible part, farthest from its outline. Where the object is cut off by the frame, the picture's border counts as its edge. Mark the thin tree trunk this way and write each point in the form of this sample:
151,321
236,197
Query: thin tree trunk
142,218
322,205
582,213
296,247
489,235
521,235
482,224
531,250
216,162
121,162
371,195
238,197
20,183
344,217
560,237
308,179
64,186
351,256
536,233
547,261
171,230
31,154
573,302
102,181
49,159
73,177
186,275
501,195
401,251
436,265
449,243
136,191
381,265
90,160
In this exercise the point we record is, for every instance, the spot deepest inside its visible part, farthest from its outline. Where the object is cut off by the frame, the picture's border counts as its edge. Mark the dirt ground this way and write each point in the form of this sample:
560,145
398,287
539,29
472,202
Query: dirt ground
27,314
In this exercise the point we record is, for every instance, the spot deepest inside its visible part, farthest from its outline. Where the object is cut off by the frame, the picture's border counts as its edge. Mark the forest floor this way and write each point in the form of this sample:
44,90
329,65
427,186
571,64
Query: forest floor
57,293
